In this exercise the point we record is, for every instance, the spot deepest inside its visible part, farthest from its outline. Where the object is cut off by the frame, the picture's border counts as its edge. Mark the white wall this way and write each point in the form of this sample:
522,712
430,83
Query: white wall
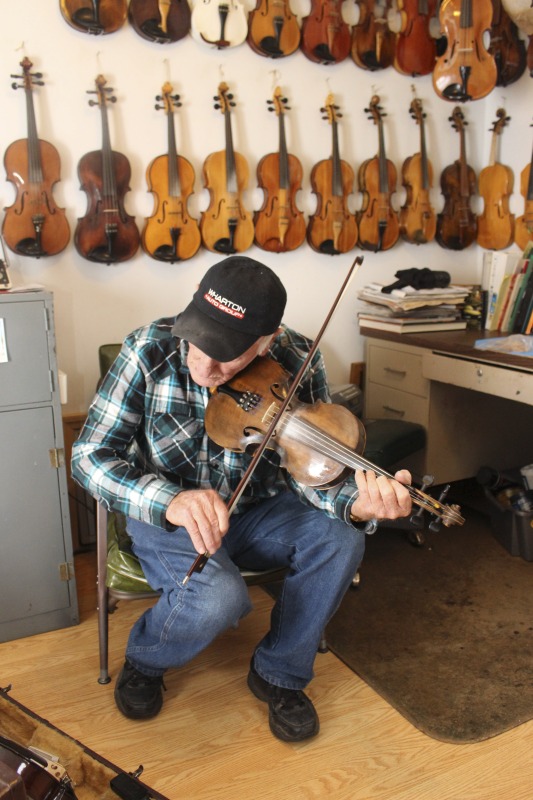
96,303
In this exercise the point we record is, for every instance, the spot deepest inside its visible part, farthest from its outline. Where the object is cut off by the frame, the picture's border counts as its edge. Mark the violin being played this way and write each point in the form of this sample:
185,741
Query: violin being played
149,453
34,225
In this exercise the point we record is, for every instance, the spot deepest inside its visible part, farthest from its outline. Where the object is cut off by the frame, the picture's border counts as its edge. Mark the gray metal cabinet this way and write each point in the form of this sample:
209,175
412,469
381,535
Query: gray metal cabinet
37,584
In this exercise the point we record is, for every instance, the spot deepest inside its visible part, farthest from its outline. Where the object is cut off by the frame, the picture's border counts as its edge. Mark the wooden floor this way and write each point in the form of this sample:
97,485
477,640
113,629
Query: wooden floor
212,738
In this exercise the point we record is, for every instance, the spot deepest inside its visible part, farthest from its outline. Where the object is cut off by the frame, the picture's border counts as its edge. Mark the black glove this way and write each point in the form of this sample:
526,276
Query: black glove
419,279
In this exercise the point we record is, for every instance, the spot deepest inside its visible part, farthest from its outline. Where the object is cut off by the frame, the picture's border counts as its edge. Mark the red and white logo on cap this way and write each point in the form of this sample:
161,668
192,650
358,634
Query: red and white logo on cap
225,305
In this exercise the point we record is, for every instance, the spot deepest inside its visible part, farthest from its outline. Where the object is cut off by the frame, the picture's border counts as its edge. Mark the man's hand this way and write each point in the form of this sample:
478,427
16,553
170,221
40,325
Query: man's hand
204,516
380,497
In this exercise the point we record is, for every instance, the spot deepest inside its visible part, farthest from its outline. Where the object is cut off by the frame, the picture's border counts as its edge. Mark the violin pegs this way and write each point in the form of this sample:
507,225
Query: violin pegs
270,109
229,96
36,75
217,106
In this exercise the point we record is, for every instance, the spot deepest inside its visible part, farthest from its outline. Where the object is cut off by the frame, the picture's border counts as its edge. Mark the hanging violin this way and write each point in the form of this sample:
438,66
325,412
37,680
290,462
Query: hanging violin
495,226
524,223
332,229
33,225
273,30
379,226
161,21
466,70
417,217
506,46
373,44
457,223
325,35
106,234
415,48
279,224
219,23
94,16
226,226
170,234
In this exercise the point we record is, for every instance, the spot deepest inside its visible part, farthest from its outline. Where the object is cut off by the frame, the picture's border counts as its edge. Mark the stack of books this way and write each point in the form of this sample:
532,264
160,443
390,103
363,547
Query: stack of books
410,310
508,283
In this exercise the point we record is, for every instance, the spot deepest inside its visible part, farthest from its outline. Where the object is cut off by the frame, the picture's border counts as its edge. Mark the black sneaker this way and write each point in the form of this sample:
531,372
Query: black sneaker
291,714
138,696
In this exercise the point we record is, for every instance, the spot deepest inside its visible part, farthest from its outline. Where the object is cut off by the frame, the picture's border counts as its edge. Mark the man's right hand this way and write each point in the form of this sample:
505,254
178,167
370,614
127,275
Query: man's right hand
204,516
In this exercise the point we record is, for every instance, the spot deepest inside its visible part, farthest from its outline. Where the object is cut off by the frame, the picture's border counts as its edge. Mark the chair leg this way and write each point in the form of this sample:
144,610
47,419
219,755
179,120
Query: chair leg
102,592
323,645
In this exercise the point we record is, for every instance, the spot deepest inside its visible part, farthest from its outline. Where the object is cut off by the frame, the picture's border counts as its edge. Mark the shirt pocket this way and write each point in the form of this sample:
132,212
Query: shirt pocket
176,441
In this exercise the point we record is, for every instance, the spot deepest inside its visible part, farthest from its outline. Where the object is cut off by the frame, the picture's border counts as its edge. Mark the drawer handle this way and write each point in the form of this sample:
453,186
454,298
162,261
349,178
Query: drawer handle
395,371
396,411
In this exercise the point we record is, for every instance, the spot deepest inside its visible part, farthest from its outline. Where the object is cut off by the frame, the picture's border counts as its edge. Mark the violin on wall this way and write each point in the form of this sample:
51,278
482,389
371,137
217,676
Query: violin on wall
94,16
332,229
326,37
373,43
219,23
524,223
495,226
226,226
279,224
33,225
418,221
415,48
273,30
457,223
170,234
106,234
379,226
466,70
161,21
506,46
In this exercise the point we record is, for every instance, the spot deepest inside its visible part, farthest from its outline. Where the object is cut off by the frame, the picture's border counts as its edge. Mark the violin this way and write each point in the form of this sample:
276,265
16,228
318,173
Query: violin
279,224
379,226
170,234
495,226
417,217
415,49
273,30
466,70
457,223
506,46
33,225
161,21
319,444
373,43
524,223
530,55
326,36
332,229
227,226
106,234
94,16
219,23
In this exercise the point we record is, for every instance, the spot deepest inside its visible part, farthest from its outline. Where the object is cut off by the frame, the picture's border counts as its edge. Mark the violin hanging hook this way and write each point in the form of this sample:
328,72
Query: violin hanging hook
167,67
221,71
20,47
276,75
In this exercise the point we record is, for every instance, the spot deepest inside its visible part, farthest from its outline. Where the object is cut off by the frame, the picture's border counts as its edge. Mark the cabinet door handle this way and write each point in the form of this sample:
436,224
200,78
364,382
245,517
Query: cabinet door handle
402,372
397,411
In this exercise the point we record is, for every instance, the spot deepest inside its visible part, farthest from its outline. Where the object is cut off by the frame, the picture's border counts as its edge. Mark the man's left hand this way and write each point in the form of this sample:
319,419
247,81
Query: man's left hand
381,497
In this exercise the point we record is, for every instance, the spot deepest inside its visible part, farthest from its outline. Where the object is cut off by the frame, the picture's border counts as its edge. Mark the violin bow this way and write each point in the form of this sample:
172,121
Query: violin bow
201,560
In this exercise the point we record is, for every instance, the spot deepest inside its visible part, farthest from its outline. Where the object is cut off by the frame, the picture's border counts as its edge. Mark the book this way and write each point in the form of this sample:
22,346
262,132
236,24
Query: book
510,298
496,265
412,326
523,299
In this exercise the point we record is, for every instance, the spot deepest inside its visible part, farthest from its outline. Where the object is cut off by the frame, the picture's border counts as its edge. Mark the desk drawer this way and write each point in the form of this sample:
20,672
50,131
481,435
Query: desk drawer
504,382
383,402
396,368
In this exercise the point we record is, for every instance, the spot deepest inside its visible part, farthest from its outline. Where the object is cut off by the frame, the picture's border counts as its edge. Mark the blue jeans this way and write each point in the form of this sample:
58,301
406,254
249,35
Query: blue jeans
322,555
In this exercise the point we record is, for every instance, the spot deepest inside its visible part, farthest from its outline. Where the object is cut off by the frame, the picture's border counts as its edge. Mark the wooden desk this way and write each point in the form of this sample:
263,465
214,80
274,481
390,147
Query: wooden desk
476,405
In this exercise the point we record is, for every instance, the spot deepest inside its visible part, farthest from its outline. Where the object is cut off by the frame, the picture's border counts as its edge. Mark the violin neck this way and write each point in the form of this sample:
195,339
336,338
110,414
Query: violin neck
283,158
231,172
336,188
493,146
463,165
383,172
424,156
107,160
174,189
466,14
34,155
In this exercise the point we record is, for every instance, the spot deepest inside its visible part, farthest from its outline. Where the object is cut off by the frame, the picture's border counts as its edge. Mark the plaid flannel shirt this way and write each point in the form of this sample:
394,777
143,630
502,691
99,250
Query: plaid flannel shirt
144,439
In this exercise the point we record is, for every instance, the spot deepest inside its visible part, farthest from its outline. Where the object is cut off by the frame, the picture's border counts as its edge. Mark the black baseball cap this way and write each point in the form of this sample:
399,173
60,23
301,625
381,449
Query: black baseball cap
238,301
